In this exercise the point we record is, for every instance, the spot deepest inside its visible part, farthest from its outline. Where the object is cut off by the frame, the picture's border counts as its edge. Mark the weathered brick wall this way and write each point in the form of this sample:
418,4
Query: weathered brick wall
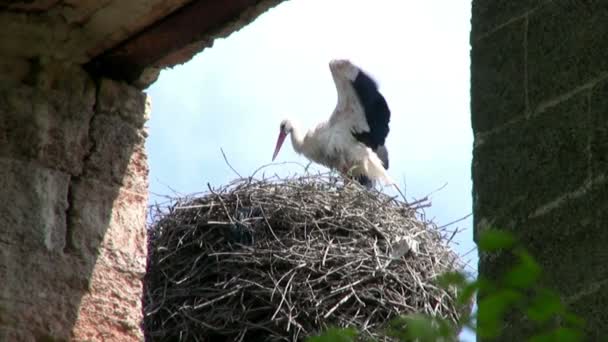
540,117
73,192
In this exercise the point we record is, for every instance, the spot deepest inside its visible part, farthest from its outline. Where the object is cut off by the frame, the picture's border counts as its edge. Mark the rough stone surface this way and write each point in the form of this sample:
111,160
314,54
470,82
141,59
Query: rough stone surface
111,309
74,176
499,94
39,202
566,47
541,139
206,39
169,32
599,139
531,152
127,102
176,38
75,31
116,222
592,305
14,70
487,15
46,308
117,155
569,244
57,107
89,216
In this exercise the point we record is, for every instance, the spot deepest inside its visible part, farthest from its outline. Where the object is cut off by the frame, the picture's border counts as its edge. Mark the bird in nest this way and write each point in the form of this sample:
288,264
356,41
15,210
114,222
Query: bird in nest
352,139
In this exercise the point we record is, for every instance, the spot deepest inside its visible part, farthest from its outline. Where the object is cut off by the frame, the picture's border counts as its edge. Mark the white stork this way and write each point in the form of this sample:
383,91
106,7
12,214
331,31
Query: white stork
352,140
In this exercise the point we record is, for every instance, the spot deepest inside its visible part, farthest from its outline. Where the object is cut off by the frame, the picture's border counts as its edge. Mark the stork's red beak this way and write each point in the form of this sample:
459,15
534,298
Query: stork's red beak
279,143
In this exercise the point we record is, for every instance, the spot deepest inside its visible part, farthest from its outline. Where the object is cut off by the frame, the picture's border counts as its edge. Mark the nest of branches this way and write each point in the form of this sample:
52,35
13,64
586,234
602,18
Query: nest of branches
281,259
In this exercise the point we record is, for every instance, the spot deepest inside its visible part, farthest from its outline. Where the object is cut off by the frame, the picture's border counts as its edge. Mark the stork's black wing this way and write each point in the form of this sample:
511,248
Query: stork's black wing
376,111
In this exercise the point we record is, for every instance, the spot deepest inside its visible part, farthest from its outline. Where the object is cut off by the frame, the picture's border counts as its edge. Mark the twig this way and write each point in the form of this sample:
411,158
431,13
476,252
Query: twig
228,163
231,293
455,221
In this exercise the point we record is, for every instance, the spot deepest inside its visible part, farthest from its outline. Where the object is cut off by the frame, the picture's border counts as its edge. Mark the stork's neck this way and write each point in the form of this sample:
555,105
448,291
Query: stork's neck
297,138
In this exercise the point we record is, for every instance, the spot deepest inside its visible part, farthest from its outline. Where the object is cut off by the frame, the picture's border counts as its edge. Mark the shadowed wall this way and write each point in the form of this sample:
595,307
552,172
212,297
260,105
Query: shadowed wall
540,118
73,174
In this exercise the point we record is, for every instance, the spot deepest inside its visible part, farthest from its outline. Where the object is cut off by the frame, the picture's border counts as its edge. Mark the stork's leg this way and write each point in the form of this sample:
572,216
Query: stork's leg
347,172
307,166
344,171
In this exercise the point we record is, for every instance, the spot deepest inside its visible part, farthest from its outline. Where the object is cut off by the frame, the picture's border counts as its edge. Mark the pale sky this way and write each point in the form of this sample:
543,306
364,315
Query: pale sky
234,95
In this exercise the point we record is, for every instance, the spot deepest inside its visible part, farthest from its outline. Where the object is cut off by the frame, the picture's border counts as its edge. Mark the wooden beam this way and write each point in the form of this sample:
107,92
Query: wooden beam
193,22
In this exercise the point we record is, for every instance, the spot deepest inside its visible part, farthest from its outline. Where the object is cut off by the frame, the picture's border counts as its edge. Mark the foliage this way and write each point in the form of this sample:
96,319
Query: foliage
518,291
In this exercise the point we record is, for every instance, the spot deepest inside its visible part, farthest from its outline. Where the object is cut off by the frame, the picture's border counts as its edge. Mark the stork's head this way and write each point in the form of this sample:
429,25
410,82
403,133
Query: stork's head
285,128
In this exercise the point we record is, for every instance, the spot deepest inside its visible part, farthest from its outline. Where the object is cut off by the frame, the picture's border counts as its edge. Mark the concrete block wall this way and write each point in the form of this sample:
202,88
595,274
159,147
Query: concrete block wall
539,105
73,194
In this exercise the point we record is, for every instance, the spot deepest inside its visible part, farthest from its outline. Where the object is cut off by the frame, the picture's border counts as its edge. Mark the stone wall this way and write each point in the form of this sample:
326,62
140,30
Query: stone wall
73,174
540,118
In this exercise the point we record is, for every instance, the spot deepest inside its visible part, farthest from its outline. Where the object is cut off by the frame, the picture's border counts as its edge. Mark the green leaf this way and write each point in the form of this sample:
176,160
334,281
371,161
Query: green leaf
486,285
445,328
574,320
568,335
492,309
558,335
417,327
397,327
448,279
421,328
335,335
465,296
525,274
543,337
493,240
544,306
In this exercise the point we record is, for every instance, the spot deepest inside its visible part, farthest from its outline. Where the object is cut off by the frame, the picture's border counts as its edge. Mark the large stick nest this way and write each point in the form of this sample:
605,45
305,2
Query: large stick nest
281,259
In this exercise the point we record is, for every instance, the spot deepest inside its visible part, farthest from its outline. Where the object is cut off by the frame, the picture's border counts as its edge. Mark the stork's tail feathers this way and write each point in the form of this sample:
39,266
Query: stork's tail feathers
373,169
382,153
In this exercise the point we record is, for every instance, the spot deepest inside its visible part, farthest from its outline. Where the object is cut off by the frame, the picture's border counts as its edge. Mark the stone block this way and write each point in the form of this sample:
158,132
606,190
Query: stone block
125,242
13,70
67,79
591,305
48,123
40,293
113,23
569,243
35,202
118,155
106,218
89,216
93,290
123,100
112,310
27,36
531,163
498,79
599,132
489,14
79,11
568,237
567,47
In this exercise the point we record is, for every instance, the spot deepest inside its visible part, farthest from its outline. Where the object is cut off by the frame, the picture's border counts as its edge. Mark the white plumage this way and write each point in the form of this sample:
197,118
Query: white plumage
353,138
